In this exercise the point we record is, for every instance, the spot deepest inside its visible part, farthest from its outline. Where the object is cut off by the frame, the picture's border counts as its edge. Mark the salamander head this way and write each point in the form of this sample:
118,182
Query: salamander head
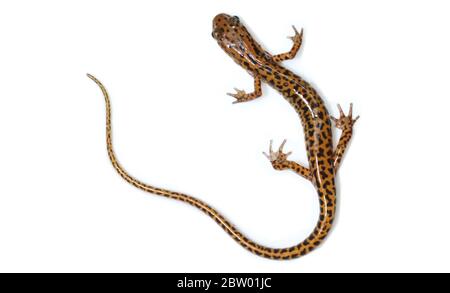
234,39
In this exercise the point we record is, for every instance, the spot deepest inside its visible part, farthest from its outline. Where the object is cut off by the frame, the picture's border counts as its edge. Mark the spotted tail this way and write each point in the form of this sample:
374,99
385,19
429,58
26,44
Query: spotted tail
302,248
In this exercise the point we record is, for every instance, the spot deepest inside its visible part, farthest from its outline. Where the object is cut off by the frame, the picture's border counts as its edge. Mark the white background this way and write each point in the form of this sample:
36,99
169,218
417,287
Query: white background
64,209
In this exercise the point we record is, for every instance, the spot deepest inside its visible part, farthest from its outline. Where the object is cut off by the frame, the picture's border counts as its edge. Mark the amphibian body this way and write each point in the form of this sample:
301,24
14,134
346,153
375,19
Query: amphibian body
323,159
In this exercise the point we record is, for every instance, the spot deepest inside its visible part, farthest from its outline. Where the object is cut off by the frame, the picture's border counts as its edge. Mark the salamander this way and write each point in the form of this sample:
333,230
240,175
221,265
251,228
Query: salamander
324,160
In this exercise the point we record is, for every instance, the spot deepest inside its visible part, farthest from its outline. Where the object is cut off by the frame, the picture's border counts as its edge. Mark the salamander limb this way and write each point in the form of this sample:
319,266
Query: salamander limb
344,123
297,39
241,96
279,161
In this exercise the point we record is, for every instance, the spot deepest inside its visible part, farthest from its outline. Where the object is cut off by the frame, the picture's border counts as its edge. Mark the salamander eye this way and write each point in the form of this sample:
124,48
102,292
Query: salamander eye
217,33
234,20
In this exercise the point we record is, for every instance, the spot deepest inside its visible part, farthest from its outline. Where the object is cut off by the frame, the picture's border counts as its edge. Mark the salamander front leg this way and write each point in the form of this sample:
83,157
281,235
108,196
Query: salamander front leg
279,161
345,123
297,39
242,96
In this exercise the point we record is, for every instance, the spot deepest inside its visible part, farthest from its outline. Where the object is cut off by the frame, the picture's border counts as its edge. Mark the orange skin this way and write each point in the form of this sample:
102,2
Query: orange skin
233,37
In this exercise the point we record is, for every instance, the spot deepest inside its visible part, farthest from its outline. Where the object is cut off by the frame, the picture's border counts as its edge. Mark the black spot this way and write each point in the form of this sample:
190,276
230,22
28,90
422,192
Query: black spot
321,152
287,92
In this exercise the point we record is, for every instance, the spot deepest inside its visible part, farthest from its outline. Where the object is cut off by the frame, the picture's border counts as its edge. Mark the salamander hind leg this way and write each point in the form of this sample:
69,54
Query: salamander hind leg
242,96
297,39
279,161
345,123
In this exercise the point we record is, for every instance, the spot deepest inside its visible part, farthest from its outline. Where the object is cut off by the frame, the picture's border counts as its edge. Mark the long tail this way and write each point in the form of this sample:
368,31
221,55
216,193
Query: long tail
316,237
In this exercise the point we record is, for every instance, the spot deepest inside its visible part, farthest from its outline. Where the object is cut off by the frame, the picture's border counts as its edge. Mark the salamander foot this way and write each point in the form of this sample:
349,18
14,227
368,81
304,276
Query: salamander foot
278,158
345,122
